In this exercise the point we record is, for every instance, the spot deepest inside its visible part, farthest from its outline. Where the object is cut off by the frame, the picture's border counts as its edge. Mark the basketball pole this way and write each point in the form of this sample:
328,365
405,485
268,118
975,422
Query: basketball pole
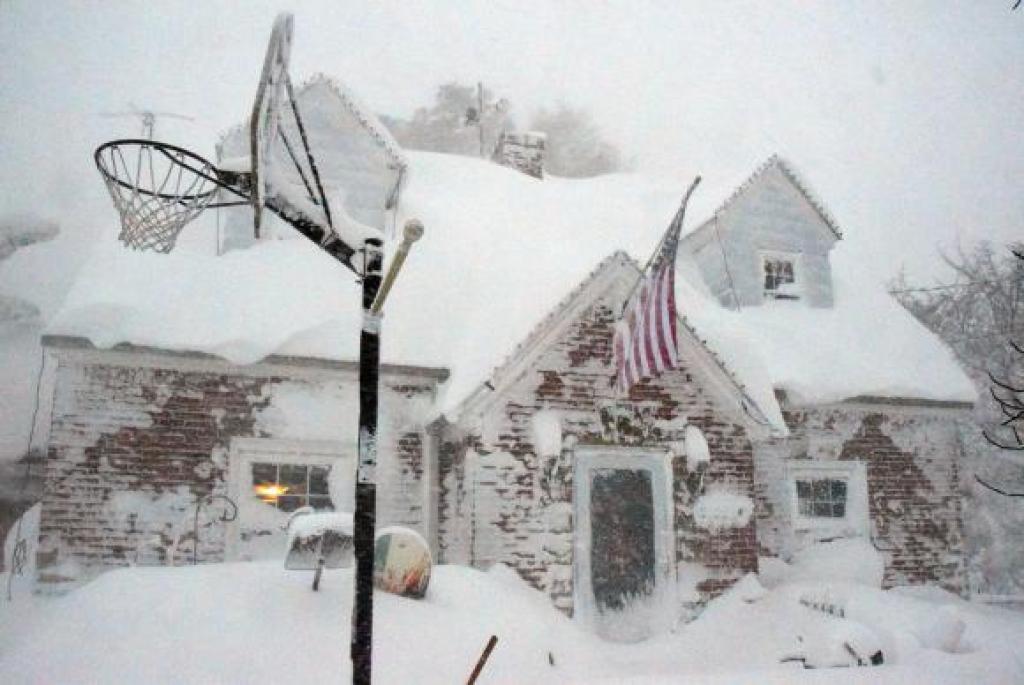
366,477
375,292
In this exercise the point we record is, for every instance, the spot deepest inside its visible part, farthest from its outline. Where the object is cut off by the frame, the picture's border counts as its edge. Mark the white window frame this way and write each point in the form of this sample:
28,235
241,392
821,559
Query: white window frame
246,451
854,474
659,464
797,289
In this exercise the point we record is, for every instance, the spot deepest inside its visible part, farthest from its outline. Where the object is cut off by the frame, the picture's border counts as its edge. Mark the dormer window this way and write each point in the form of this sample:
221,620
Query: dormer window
780,276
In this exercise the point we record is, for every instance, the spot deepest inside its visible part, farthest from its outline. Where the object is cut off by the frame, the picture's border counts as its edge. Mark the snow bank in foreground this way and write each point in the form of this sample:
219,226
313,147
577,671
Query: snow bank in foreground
251,622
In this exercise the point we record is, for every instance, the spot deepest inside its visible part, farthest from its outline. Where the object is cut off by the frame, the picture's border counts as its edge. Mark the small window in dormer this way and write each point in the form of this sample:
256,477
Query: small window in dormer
780,281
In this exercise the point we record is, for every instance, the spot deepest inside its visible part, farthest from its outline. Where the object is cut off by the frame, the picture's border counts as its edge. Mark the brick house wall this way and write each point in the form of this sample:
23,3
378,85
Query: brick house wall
138,436
911,456
502,501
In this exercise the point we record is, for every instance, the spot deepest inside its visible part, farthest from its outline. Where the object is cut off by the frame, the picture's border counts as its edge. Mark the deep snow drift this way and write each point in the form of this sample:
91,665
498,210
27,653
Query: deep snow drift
255,622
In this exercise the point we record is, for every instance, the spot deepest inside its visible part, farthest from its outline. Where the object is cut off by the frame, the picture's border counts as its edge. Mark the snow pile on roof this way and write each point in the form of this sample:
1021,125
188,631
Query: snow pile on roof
501,250
251,622
865,345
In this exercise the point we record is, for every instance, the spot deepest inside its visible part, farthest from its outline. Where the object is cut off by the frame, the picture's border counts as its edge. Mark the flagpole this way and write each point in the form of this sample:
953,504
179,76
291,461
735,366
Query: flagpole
657,248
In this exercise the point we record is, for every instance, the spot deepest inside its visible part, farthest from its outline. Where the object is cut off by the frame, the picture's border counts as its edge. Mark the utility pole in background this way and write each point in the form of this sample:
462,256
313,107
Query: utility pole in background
475,115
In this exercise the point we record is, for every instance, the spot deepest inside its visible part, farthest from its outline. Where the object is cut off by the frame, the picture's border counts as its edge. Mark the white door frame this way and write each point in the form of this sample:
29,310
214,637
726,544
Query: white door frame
658,463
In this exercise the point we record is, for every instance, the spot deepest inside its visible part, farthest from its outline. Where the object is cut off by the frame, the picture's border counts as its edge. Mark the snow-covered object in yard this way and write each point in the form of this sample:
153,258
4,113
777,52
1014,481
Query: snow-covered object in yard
501,251
697,451
313,536
900,623
722,509
401,562
849,559
840,642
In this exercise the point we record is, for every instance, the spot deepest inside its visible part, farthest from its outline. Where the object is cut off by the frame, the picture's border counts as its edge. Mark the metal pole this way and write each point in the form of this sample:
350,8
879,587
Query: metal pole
366,485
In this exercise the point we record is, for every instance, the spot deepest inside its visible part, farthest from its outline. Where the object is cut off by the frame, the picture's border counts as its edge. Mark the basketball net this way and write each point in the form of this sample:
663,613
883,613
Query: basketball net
157,189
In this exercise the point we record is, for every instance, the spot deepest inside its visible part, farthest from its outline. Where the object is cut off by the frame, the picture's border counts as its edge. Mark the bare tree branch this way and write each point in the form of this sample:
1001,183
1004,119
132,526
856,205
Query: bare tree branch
993,488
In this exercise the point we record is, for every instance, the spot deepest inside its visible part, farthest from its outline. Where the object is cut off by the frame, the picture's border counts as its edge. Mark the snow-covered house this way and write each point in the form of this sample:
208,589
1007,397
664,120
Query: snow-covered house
809,406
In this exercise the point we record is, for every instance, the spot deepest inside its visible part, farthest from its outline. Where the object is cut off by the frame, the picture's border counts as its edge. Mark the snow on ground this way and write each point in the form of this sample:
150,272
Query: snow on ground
255,622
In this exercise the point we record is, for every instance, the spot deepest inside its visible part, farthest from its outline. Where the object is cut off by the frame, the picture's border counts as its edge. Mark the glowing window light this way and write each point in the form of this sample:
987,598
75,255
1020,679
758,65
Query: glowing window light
269,492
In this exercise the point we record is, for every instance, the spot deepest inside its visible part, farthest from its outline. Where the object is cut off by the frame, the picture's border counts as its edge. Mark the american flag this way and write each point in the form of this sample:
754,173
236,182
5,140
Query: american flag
646,343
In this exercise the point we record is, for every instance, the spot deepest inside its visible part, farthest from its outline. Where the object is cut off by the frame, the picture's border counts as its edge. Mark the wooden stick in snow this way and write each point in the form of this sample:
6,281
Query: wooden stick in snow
482,660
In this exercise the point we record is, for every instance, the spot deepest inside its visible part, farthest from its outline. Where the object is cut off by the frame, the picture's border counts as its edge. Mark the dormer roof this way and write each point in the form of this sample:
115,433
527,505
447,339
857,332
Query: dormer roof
790,173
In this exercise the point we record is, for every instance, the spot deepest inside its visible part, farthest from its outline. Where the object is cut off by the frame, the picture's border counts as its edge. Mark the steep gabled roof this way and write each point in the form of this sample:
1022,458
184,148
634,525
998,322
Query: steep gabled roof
789,171
617,266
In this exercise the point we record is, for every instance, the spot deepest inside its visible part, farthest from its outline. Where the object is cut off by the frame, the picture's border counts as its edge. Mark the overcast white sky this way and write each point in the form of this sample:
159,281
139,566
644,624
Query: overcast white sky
907,118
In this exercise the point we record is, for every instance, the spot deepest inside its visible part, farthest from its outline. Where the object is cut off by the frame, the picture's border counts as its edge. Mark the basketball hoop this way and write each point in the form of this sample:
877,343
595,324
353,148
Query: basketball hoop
157,188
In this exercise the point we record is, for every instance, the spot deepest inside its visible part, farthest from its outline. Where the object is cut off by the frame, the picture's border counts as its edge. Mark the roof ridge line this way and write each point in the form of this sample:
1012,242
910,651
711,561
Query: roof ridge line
794,177
537,330
532,338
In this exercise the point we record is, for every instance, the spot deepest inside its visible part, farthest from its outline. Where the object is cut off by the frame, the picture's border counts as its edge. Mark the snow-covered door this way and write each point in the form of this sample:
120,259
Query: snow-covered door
624,559
621,538
270,479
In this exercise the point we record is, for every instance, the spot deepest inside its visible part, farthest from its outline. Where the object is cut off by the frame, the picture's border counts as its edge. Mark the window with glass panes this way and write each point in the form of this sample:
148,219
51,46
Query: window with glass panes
290,486
778,273
821,497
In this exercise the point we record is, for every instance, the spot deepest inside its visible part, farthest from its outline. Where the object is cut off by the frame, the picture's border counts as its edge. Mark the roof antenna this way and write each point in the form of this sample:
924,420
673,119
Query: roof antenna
147,116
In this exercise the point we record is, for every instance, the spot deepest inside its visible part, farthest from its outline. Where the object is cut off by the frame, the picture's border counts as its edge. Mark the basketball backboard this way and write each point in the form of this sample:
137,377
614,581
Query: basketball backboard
272,166
265,124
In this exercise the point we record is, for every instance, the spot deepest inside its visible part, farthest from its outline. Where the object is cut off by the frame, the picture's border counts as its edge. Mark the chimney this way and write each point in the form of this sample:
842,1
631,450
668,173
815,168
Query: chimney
521,151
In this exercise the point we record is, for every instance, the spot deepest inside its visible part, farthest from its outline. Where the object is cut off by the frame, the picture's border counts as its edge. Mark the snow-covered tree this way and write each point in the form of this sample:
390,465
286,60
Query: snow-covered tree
17,231
575,146
1008,392
980,315
451,124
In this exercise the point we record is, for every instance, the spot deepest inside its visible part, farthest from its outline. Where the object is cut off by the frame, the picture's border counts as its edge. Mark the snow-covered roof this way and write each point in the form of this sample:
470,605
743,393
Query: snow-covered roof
865,345
501,251
790,172
235,141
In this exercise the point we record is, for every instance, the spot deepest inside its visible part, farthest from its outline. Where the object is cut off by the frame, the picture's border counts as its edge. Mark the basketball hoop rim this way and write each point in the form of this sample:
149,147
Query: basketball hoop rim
202,162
